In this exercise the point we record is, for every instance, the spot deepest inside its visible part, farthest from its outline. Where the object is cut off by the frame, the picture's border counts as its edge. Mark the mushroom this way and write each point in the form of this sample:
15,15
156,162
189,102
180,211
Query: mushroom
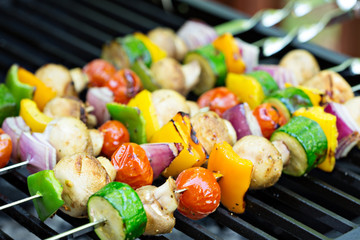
81,175
159,204
58,78
79,79
68,136
167,104
302,63
353,107
210,128
97,141
110,169
193,107
335,87
265,157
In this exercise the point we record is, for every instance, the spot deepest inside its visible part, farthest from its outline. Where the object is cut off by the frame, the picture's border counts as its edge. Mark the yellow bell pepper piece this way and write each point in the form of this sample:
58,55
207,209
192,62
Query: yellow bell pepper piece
314,94
33,117
247,88
236,175
155,51
179,130
43,94
228,46
327,123
143,101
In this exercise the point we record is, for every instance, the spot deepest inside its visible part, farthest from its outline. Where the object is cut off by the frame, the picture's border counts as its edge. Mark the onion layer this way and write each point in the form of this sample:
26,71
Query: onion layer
280,74
98,98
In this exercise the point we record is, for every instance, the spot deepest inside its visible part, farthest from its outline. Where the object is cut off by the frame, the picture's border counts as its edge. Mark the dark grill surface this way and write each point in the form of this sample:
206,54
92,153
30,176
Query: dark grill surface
36,32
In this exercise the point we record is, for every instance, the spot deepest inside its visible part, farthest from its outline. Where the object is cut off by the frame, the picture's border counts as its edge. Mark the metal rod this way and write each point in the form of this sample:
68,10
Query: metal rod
78,229
5,169
180,190
20,201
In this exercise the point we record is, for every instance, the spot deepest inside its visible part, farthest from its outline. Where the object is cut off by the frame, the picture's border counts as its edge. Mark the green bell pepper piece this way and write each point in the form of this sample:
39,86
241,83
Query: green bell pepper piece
45,184
132,118
135,49
7,104
18,89
145,75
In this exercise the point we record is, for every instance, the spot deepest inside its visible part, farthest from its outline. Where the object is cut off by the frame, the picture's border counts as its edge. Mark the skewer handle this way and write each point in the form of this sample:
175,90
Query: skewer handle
78,229
19,202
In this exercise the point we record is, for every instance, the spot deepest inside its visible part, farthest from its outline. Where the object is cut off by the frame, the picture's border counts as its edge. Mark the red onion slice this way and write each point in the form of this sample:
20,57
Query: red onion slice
14,126
280,74
196,34
37,153
51,150
98,98
161,155
243,120
348,130
250,54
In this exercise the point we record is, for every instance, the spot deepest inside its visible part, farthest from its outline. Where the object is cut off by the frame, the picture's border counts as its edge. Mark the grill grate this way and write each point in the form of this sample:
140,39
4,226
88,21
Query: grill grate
36,32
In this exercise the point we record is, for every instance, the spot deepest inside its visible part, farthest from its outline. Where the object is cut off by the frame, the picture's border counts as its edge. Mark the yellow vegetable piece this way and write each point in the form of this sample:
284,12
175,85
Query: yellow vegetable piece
247,88
226,44
327,123
43,94
314,94
179,131
33,117
236,175
155,51
143,101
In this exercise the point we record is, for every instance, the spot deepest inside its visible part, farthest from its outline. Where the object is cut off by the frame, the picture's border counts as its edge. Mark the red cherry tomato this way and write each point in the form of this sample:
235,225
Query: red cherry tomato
202,195
218,100
115,134
99,72
125,84
132,165
269,118
5,148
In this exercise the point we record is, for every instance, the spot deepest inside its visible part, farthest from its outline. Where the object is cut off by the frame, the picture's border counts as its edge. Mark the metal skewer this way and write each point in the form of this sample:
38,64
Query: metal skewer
19,202
17,165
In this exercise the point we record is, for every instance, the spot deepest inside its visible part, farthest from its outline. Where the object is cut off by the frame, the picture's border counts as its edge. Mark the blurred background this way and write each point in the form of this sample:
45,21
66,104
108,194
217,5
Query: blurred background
343,37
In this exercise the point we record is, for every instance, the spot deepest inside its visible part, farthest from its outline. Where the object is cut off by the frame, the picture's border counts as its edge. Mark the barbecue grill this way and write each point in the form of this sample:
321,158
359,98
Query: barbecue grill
35,32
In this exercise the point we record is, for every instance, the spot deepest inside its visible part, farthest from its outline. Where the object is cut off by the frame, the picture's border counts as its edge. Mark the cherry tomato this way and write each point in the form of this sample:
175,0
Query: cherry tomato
115,134
5,148
218,100
125,84
99,72
132,165
202,195
269,118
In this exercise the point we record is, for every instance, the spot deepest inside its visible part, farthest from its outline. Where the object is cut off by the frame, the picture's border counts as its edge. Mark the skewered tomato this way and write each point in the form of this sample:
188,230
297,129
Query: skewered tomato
202,195
99,72
132,165
269,118
5,148
125,84
218,100
115,134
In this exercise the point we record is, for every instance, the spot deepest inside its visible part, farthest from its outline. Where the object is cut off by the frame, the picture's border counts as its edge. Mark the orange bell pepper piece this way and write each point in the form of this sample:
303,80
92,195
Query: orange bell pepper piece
228,46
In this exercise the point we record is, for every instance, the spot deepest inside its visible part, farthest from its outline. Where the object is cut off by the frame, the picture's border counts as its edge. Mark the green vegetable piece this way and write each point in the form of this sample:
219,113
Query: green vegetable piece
135,49
145,75
306,142
121,207
7,104
280,107
293,98
18,89
266,81
132,118
213,67
45,184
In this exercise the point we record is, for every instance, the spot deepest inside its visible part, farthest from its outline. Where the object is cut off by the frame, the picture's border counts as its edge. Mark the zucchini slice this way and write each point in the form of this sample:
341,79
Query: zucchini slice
213,67
280,107
306,142
121,207
266,81
145,75
135,49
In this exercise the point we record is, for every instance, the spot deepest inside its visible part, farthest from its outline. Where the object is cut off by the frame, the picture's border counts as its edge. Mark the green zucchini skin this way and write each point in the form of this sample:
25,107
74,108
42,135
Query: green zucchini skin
145,75
266,81
213,67
304,132
293,98
135,49
128,205
280,107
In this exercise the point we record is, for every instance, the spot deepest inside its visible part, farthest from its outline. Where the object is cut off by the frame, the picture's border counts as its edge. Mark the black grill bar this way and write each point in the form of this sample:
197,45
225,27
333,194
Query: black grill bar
4,236
238,225
193,229
316,211
288,224
27,220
